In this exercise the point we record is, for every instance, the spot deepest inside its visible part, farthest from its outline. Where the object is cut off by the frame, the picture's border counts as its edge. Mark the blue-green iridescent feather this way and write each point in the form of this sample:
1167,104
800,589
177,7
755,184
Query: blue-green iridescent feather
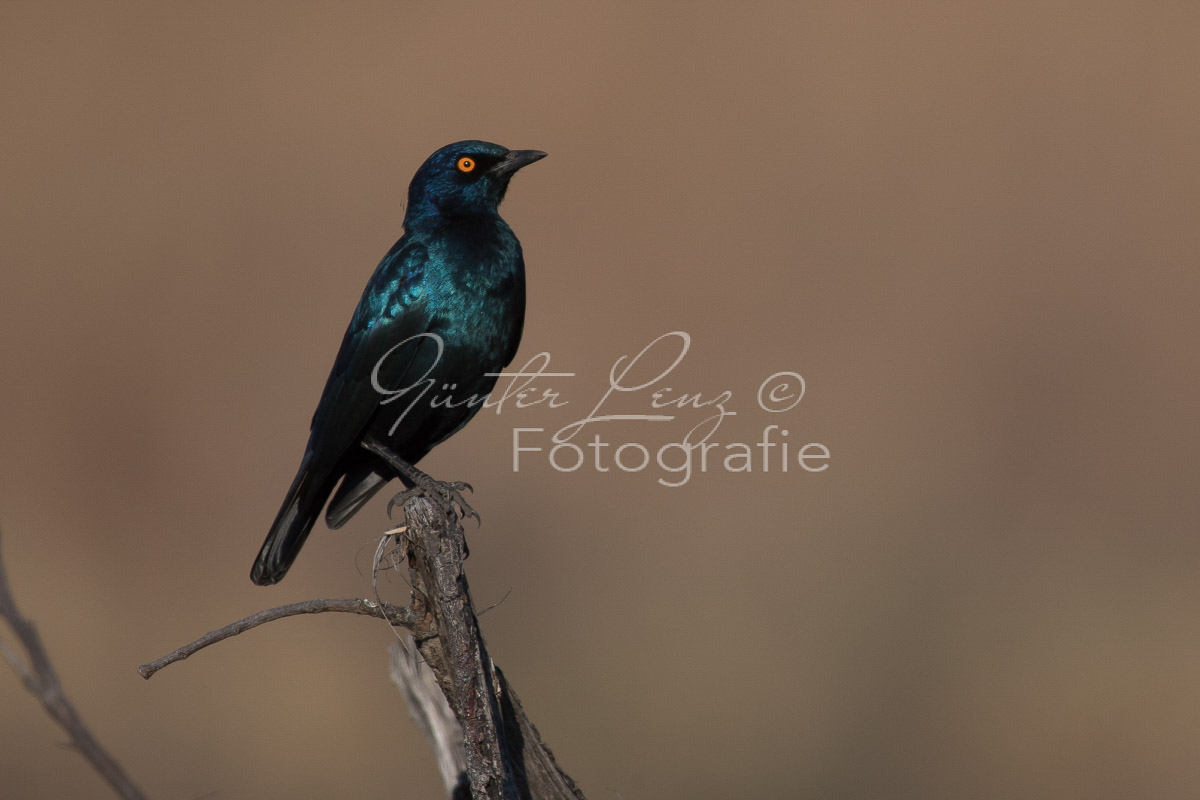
458,272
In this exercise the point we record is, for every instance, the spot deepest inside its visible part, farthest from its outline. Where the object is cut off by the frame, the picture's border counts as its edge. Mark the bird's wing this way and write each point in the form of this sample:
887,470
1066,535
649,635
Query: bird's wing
392,309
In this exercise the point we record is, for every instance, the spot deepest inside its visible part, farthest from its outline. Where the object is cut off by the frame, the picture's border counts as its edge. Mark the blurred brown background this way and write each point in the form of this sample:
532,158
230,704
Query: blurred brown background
973,231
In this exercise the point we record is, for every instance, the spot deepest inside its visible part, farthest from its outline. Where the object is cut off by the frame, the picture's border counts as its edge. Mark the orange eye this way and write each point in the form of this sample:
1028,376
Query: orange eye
466,164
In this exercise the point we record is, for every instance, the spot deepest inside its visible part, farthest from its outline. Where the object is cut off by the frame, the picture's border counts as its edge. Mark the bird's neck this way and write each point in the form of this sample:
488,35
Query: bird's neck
427,217
422,212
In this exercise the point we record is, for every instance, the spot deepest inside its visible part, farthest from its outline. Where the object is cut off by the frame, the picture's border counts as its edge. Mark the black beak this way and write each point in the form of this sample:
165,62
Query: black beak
517,159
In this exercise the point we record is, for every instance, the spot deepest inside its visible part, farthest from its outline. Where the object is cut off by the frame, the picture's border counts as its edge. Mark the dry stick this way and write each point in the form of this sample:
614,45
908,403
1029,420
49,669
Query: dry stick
484,703
506,758
403,617
433,715
457,654
539,774
43,682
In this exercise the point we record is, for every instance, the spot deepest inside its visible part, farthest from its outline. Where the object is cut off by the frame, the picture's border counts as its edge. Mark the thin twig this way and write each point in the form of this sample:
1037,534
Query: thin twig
495,604
396,615
41,679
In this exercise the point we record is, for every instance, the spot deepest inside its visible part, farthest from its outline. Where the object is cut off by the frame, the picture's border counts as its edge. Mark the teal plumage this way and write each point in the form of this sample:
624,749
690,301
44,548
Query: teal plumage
447,304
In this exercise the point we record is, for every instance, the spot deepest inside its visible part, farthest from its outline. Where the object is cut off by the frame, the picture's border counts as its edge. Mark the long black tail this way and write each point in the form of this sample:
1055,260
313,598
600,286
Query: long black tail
356,489
300,511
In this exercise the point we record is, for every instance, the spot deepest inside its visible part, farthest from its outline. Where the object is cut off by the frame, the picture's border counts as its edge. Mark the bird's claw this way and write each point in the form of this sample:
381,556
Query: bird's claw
447,494
455,489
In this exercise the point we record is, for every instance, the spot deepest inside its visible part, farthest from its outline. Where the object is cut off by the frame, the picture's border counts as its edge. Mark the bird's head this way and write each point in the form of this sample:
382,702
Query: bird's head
464,178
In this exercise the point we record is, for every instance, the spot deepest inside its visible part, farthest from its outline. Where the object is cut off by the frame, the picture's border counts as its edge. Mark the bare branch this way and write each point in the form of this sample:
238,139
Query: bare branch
457,653
41,679
539,773
433,716
402,617
505,757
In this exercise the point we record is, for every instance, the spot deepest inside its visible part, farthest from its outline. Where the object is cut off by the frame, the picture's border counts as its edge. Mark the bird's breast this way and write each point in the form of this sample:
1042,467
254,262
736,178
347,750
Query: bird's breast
477,298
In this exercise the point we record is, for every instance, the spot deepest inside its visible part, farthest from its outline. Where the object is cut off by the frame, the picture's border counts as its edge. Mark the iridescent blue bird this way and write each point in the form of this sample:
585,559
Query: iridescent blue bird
444,308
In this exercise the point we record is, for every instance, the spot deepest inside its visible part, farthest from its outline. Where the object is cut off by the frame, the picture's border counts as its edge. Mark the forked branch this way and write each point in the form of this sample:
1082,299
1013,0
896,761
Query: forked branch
505,757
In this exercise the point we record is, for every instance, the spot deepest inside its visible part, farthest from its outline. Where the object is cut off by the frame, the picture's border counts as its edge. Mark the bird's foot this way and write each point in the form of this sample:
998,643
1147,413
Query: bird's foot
447,494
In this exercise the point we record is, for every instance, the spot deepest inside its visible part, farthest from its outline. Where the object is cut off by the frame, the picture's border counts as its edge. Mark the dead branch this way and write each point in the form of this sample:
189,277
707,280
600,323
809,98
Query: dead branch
42,681
433,715
396,615
504,755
